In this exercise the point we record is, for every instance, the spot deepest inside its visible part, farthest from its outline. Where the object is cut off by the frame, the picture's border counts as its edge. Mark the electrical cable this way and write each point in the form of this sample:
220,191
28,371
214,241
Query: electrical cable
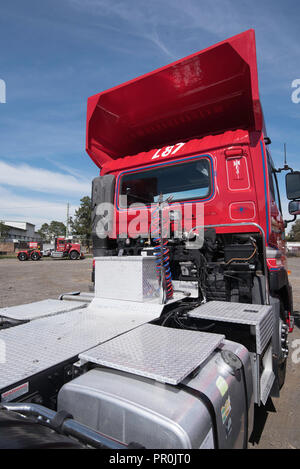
244,258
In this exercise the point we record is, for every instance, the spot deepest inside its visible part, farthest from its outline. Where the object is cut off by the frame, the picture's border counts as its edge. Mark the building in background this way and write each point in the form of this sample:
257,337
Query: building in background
293,247
21,232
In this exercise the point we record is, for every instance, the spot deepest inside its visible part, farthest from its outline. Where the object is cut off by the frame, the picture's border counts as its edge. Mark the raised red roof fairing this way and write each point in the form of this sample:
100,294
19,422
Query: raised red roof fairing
209,92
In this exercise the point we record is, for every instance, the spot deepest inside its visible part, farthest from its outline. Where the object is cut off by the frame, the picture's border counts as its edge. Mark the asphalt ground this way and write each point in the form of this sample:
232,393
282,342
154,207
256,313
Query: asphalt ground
28,281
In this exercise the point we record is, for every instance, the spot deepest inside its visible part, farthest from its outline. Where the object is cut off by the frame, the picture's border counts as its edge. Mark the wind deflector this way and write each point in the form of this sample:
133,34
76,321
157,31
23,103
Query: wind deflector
209,92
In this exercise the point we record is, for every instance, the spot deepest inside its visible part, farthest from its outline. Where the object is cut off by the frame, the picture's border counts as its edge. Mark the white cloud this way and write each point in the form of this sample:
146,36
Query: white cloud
42,180
39,208
33,210
142,20
192,18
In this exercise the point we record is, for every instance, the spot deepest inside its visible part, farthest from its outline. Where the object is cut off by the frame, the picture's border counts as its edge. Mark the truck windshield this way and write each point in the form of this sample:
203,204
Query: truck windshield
184,181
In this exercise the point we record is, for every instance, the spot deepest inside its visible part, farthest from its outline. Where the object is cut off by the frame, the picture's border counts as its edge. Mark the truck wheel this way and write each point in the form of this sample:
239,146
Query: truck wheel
35,256
22,256
281,370
283,341
281,373
74,255
21,433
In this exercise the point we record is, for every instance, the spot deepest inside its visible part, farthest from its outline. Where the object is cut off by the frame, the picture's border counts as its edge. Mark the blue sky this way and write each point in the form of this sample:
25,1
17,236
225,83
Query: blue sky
54,54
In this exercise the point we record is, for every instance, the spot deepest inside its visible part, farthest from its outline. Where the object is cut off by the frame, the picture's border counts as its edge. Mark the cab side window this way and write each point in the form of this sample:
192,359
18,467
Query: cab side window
273,182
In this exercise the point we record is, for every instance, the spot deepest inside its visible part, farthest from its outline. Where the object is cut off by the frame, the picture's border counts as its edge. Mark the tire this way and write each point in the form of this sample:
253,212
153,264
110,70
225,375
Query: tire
22,256
35,256
281,373
22,433
74,255
281,367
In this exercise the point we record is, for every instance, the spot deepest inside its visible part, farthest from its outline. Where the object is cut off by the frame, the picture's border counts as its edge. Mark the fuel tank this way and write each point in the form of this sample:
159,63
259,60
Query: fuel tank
212,408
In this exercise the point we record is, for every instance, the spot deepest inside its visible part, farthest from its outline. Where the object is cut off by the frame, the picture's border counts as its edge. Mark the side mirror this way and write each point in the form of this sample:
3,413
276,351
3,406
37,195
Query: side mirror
294,207
292,182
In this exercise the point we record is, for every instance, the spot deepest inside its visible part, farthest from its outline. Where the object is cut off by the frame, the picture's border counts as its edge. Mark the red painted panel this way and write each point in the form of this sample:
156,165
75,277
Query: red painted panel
237,173
241,211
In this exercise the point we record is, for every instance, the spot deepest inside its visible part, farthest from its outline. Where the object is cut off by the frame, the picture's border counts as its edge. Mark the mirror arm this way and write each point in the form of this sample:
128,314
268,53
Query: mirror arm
289,221
285,168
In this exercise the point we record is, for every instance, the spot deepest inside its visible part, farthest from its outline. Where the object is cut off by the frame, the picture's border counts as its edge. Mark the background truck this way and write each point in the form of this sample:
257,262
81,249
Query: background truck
63,248
33,251
187,329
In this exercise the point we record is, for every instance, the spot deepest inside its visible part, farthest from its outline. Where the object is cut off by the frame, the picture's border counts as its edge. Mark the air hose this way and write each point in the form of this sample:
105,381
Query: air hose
161,250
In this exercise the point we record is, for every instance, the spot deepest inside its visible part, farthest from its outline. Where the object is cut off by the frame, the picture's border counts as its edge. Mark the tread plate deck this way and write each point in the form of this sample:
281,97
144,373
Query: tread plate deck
40,309
38,345
259,316
160,353
242,313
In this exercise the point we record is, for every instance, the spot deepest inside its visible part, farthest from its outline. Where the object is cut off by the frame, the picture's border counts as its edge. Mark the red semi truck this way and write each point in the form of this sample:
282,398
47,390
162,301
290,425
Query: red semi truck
195,129
63,248
186,333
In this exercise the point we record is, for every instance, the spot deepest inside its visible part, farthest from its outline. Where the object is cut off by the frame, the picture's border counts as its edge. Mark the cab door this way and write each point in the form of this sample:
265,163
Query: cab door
60,247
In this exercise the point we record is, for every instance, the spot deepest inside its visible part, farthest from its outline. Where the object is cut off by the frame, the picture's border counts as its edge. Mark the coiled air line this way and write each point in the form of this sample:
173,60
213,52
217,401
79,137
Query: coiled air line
161,250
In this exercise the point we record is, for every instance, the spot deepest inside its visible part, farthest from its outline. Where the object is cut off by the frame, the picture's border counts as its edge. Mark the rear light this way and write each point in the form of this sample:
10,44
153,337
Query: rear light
93,263
290,322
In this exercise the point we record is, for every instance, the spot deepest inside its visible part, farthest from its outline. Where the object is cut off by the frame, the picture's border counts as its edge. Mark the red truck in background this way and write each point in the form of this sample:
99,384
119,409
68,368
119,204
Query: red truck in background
63,248
33,252
195,129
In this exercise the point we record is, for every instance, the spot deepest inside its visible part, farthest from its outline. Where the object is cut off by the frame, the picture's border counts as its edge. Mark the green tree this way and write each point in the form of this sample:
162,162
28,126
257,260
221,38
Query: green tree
81,223
49,232
294,234
44,232
4,230
57,228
